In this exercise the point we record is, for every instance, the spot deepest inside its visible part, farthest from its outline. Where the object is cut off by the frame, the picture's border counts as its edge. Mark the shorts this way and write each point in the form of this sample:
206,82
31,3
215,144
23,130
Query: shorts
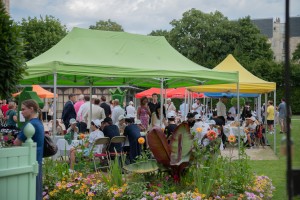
270,122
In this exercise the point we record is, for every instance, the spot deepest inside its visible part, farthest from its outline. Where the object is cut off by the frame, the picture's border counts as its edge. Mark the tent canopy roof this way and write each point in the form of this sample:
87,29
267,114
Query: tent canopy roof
248,82
118,58
41,92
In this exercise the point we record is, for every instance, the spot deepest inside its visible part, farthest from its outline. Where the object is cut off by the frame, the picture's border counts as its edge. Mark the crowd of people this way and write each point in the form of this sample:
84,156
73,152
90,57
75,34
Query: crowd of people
110,120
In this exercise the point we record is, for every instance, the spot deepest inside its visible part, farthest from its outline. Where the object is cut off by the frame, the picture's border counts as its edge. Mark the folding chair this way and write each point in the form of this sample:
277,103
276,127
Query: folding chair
116,140
105,142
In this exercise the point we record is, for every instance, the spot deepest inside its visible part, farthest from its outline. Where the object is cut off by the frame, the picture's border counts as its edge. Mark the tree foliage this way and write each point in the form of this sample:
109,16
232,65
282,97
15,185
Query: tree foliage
160,32
296,54
208,38
11,54
40,34
107,26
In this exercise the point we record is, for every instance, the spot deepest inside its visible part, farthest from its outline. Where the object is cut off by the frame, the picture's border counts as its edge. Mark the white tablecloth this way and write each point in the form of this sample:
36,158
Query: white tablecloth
64,147
232,130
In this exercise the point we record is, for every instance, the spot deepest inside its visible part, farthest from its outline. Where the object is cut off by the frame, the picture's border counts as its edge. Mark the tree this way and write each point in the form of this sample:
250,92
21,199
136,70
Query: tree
11,55
208,38
296,54
160,32
107,26
40,34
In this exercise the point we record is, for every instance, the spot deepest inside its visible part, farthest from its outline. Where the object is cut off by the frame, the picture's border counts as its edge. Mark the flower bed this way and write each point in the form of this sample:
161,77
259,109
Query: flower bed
205,175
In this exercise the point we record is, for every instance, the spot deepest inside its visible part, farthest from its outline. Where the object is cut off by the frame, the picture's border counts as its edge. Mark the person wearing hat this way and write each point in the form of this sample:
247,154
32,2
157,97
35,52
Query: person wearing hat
121,123
132,132
170,128
250,129
110,130
72,131
130,109
200,129
169,106
94,135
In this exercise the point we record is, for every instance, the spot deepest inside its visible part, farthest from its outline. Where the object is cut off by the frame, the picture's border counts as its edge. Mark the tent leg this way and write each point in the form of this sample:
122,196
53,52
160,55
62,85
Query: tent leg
259,108
184,109
265,122
238,116
275,117
161,100
90,114
54,104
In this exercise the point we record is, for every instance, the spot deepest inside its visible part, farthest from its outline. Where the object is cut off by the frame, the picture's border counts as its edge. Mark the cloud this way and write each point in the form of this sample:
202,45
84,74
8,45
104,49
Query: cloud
143,16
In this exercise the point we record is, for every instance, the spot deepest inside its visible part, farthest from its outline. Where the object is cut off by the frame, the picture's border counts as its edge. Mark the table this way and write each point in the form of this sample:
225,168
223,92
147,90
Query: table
64,147
233,130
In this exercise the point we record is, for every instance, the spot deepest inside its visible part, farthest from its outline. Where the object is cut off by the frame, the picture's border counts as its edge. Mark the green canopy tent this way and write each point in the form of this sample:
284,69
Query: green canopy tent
93,57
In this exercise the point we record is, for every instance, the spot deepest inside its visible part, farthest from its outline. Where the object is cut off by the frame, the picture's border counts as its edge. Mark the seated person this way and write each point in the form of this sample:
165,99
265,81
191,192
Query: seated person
140,125
95,134
250,129
110,130
121,123
230,117
132,131
59,128
170,128
200,128
219,125
190,119
155,118
72,132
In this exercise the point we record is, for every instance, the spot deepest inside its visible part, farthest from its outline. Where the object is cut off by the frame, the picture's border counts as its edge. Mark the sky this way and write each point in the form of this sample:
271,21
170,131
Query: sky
143,16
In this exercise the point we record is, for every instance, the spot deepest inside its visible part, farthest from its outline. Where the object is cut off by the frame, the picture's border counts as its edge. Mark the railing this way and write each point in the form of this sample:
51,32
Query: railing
18,171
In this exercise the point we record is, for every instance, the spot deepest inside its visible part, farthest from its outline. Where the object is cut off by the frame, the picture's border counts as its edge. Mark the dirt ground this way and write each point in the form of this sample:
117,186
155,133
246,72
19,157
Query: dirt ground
256,153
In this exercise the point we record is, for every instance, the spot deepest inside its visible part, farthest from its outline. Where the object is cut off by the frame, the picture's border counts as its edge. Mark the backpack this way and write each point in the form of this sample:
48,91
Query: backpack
50,149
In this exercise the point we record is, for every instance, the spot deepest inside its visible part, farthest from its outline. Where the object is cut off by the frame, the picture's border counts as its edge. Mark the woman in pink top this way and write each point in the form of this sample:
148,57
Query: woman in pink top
143,112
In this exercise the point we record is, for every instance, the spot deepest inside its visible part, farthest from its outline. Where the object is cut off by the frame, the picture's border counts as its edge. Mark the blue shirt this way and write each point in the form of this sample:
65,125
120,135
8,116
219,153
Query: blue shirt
38,137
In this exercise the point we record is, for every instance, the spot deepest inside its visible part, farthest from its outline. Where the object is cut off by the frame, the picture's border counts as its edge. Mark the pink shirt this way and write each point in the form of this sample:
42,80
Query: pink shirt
77,105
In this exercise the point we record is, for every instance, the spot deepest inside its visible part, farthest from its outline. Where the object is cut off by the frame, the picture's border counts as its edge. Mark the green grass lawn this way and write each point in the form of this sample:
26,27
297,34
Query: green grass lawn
276,169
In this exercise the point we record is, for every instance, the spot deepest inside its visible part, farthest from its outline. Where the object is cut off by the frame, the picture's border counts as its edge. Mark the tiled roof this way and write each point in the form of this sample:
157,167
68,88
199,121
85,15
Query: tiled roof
265,26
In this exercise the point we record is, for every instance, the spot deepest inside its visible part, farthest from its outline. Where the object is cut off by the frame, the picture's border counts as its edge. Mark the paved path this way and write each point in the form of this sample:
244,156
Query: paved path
257,153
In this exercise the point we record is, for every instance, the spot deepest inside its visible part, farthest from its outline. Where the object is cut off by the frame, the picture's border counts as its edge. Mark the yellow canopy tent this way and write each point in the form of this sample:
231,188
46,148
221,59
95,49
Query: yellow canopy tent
248,83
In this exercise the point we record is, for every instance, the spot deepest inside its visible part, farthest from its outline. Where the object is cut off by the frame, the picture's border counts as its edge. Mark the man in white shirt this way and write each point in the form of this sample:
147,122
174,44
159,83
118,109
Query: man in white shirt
130,109
232,110
97,113
117,111
84,108
221,109
197,107
183,110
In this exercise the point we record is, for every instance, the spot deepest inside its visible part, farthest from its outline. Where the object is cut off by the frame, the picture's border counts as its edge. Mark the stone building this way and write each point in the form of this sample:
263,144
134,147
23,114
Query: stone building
274,30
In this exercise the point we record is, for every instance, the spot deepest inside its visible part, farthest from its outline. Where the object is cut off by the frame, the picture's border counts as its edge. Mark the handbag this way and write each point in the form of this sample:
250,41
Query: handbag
50,148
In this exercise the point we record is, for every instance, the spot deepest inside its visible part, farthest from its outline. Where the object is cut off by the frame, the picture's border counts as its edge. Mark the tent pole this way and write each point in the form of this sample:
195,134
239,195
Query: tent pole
259,108
161,101
184,108
265,122
90,114
238,115
54,104
275,117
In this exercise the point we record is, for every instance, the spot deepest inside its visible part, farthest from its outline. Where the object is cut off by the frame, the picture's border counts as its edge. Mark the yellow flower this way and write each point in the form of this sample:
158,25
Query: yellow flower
199,129
141,140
